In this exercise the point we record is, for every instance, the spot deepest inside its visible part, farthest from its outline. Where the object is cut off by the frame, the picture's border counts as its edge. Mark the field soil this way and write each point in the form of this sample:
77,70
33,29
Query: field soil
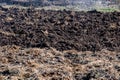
17,63
63,30
59,45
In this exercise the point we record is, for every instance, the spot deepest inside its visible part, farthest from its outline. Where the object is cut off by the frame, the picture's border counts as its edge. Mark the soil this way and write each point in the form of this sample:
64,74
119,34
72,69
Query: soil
17,63
59,45
63,30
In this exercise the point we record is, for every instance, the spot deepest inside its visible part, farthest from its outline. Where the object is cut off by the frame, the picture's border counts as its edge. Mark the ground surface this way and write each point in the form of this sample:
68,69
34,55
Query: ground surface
59,45
43,64
63,30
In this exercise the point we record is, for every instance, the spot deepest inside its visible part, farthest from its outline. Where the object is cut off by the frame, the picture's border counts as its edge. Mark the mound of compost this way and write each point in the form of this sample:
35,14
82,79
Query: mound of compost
63,30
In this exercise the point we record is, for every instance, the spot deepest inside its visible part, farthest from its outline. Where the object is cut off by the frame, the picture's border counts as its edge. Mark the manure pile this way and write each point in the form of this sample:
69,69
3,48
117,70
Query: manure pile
59,45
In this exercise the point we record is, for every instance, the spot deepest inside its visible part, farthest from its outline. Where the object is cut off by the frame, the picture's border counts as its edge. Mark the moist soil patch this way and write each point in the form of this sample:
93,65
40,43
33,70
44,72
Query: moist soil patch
63,30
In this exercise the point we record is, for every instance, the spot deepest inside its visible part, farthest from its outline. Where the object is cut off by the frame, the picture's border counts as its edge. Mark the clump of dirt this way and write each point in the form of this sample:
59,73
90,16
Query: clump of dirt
18,63
63,30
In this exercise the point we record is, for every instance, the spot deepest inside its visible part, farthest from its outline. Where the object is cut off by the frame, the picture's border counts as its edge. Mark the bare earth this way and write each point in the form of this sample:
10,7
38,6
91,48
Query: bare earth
59,45
17,63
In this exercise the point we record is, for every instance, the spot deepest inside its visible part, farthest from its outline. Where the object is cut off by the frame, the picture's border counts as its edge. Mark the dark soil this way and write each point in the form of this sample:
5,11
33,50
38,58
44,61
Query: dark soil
63,30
